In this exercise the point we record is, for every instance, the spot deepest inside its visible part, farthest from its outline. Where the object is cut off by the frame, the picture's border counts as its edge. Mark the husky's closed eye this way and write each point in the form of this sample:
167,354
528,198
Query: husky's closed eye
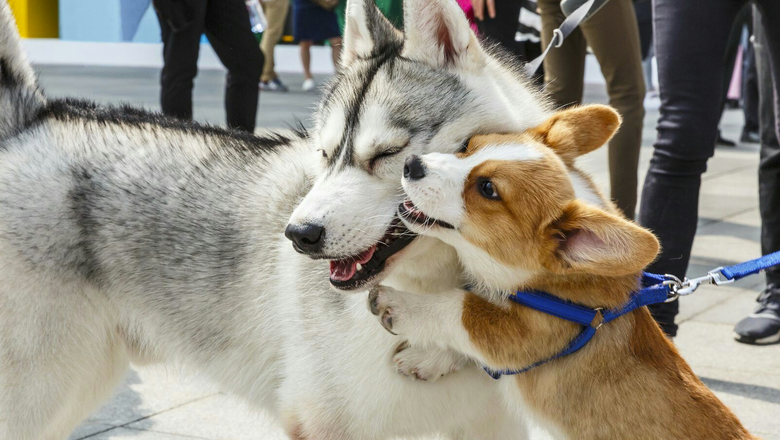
389,152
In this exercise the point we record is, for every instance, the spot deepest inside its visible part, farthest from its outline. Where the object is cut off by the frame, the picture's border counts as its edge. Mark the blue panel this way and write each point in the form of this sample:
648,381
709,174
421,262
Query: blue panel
90,20
149,29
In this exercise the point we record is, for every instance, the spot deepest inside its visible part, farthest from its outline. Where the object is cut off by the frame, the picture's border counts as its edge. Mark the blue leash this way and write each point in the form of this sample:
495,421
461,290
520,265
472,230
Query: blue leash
655,289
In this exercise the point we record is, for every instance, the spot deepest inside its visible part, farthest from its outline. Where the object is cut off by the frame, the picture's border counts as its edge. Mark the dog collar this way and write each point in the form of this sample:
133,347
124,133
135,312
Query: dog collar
655,289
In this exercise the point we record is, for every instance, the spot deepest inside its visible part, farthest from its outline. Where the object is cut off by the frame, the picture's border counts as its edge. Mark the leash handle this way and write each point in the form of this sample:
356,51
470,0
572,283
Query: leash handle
560,34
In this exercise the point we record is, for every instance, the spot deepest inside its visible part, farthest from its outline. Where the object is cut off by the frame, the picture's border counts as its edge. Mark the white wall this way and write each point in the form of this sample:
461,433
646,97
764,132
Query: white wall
52,51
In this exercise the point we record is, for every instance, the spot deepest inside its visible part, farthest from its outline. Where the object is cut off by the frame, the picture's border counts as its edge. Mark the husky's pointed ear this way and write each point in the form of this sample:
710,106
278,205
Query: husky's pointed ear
588,240
578,130
366,31
438,34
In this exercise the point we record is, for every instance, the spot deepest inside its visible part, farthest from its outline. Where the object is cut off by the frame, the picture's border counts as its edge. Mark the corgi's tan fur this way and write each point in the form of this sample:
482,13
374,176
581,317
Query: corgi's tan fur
630,381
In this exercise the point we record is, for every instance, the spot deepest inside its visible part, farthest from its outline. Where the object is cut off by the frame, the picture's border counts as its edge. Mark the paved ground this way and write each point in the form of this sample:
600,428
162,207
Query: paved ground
156,404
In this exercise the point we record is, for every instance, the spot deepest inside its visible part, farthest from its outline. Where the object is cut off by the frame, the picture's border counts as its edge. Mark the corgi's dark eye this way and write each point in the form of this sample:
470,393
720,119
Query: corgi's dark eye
487,189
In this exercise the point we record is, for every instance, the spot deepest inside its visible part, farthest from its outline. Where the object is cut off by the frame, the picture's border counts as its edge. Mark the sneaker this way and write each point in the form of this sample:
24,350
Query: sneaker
750,137
763,326
275,85
308,85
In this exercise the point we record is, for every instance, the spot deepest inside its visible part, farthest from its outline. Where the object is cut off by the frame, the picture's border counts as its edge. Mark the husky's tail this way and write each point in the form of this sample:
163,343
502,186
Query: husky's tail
20,98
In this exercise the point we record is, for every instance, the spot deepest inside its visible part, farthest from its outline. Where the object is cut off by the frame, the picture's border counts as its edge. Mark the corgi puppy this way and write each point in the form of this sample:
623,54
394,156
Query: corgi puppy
522,217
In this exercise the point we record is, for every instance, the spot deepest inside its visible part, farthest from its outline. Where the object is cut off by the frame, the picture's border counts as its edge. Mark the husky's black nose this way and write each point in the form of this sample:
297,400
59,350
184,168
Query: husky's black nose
306,237
414,169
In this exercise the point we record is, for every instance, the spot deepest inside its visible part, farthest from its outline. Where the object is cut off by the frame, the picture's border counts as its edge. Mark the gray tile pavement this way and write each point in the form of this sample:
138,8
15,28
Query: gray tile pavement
156,404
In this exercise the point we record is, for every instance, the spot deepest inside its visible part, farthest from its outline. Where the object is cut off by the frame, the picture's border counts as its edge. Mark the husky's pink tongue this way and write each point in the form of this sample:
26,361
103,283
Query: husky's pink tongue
344,270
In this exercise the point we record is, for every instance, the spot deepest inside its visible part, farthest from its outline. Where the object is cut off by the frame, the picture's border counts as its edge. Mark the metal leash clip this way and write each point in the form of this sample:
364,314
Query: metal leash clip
687,286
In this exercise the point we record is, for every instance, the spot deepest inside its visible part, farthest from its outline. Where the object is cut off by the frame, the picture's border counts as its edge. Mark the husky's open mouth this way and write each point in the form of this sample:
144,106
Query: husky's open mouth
412,214
354,272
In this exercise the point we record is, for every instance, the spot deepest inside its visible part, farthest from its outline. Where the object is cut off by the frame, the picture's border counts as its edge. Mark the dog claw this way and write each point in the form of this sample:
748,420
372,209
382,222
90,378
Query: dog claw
373,295
387,321
401,347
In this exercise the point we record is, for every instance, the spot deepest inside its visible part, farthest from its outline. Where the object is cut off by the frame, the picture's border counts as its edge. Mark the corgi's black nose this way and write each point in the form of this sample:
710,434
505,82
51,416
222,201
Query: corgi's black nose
414,168
307,237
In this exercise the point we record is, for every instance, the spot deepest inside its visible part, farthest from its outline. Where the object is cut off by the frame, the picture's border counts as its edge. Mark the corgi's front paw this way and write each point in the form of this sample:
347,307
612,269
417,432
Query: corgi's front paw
428,364
381,304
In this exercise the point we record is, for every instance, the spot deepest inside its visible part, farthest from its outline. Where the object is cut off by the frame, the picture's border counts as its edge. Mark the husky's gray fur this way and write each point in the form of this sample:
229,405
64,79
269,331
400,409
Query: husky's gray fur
129,237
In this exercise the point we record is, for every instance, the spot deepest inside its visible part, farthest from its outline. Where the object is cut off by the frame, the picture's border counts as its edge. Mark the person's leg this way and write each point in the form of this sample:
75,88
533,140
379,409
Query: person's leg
689,48
564,67
750,95
276,13
644,18
335,51
305,46
228,30
763,325
769,169
180,55
503,28
729,59
621,65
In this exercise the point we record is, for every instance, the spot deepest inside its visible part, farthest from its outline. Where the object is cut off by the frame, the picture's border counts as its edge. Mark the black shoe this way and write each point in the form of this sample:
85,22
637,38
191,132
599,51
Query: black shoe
750,137
763,326
723,142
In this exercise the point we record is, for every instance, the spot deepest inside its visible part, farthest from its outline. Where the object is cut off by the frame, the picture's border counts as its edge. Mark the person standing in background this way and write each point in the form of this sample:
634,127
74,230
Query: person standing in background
276,14
763,325
312,22
691,38
498,20
226,24
514,25
613,35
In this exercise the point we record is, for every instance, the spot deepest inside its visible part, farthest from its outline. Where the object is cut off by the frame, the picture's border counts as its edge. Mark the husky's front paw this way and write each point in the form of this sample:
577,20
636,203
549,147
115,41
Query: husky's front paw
427,364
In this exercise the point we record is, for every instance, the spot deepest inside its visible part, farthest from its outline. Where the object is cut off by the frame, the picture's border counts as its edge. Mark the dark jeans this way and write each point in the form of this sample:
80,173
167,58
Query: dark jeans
690,42
226,24
769,167
644,20
750,94
503,28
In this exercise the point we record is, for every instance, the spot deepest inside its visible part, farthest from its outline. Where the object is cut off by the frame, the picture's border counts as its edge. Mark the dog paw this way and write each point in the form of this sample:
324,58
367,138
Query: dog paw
384,305
428,364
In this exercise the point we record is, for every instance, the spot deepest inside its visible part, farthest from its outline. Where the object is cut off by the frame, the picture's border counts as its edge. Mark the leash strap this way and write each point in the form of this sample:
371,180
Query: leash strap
560,34
751,267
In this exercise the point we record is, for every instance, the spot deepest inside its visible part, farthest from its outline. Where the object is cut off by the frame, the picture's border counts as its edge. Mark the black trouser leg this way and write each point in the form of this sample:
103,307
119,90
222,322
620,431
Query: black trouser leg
228,30
644,20
180,54
769,167
690,46
503,28
750,94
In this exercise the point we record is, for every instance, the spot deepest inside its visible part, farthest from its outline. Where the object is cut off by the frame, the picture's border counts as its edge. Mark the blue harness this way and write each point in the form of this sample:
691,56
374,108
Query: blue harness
655,289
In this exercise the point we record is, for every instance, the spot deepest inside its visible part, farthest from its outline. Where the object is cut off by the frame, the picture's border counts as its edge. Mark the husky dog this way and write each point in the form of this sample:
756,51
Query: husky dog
129,237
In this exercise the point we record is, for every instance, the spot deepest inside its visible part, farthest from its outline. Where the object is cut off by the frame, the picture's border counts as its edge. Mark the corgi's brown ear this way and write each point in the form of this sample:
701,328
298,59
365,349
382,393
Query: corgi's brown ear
578,130
588,240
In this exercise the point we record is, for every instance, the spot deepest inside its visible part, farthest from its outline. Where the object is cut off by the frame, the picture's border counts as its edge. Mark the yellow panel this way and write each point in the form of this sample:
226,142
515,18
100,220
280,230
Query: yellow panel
19,8
36,18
